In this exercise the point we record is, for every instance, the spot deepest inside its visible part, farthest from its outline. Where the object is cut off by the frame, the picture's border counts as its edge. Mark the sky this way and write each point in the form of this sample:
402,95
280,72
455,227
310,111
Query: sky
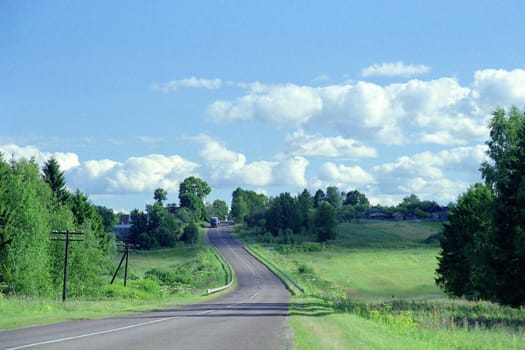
391,98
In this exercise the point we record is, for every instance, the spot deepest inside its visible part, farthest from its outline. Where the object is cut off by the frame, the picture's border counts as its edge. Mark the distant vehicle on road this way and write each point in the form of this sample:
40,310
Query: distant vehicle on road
214,221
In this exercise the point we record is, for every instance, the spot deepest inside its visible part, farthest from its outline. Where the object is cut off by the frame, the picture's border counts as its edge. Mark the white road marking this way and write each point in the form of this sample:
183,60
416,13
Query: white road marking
52,341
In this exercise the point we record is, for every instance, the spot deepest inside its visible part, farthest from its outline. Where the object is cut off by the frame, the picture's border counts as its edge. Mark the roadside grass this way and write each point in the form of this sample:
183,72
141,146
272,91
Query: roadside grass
176,276
373,288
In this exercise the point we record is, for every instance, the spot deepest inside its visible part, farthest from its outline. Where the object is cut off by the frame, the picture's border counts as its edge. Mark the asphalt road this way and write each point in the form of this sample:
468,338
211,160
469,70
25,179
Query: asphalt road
254,316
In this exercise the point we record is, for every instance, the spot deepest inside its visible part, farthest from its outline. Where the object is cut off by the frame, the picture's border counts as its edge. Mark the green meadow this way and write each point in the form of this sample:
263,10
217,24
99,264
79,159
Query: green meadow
373,288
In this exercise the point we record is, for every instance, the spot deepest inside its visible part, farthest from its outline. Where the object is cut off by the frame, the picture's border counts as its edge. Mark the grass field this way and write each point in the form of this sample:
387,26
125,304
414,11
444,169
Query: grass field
139,295
373,288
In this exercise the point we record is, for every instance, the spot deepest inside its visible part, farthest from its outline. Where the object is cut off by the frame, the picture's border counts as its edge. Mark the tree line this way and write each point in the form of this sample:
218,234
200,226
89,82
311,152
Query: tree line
316,216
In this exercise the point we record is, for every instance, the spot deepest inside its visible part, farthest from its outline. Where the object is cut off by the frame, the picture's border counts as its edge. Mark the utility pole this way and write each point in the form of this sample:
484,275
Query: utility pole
127,247
64,236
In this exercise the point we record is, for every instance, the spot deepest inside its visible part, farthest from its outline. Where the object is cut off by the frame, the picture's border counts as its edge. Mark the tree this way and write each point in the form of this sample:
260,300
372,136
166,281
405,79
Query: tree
239,206
325,222
192,192
463,264
356,198
334,197
305,203
319,197
283,214
109,219
505,174
160,195
55,179
485,255
26,262
161,225
85,213
191,234
218,208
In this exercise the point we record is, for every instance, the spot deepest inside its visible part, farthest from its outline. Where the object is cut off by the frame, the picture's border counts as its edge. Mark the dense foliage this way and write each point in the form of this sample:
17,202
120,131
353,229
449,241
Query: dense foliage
161,226
483,248
31,206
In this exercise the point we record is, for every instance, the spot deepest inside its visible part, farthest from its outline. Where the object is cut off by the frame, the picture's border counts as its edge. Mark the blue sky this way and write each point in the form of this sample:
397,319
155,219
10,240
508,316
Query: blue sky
387,97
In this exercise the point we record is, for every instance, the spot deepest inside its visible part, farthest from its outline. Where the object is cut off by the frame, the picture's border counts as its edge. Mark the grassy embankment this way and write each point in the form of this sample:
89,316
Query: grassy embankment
374,289
177,275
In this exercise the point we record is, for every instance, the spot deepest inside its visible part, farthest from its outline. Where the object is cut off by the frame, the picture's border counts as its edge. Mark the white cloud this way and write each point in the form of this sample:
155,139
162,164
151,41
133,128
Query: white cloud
291,172
440,111
66,161
136,174
342,176
499,88
278,104
440,176
192,82
394,69
223,166
301,144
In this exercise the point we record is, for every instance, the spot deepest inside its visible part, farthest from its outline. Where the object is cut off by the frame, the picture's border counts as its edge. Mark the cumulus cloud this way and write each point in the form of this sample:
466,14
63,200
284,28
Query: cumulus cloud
192,82
136,174
344,176
66,161
394,69
439,175
276,104
224,166
417,111
301,144
499,88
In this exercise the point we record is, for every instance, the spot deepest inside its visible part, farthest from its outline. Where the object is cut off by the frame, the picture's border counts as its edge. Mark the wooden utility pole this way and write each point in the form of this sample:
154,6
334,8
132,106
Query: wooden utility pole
64,236
127,247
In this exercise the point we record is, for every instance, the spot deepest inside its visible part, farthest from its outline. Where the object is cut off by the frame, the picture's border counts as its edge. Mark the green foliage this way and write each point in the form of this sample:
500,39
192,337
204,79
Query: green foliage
109,219
25,263
465,246
31,263
142,289
334,197
484,245
218,208
86,215
54,177
283,214
505,174
158,227
245,202
191,234
160,195
319,197
192,192
325,222
356,198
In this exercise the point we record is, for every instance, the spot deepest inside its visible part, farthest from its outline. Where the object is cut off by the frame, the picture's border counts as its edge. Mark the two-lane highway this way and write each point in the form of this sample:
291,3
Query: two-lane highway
254,316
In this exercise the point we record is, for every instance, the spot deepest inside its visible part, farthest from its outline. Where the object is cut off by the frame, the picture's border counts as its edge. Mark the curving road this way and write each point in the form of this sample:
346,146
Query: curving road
254,316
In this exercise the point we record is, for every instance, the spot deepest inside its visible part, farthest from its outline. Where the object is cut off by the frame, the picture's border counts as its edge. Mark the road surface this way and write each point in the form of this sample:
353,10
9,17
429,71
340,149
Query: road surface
254,316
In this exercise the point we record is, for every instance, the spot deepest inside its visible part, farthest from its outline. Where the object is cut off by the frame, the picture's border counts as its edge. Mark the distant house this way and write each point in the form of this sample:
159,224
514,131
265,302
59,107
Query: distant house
438,213
376,213
123,228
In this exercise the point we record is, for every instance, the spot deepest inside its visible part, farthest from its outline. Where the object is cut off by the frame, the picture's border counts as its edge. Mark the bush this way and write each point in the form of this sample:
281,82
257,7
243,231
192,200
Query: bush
191,233
305,269
138,289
